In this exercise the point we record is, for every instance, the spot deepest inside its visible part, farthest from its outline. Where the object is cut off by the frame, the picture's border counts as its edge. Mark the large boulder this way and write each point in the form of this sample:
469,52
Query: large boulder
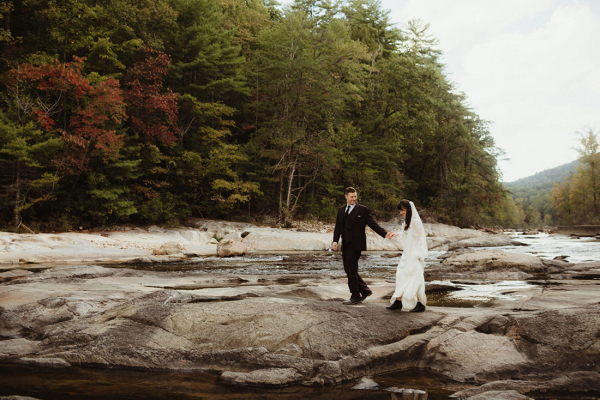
270,376
107,247
541,336
265,239
219,228
453,233
286,240
231,248
499,395
155,237
130,244
169,249
493,260
485,241
462,355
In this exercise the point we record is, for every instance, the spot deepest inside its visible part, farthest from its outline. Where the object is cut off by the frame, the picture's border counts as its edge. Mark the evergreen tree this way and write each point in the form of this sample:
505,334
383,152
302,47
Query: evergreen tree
26,165
207,72
308,71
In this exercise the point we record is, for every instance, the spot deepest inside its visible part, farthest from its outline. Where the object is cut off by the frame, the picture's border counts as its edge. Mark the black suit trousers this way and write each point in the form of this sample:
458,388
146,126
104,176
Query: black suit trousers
356,284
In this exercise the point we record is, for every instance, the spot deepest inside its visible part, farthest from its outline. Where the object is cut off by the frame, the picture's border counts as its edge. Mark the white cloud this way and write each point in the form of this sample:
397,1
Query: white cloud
460,23
562,57
538,88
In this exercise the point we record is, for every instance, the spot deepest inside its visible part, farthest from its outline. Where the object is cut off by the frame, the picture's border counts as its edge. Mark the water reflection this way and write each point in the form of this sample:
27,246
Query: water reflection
444,300
92,384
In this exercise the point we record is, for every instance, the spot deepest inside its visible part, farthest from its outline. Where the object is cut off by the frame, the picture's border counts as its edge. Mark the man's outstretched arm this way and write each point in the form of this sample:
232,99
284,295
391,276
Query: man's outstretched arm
377,228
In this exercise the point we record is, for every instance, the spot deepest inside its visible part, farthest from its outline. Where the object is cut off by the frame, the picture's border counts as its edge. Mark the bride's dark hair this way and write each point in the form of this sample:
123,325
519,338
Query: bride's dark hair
405,205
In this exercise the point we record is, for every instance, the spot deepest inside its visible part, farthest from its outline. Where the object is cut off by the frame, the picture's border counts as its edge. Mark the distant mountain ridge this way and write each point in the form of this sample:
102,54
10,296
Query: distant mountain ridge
533,194
545,178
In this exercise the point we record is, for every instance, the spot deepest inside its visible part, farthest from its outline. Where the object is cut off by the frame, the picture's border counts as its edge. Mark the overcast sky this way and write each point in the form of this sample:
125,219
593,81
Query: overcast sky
532,68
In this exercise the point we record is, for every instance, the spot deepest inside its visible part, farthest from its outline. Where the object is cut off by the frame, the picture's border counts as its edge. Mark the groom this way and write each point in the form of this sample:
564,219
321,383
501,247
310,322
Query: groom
350,225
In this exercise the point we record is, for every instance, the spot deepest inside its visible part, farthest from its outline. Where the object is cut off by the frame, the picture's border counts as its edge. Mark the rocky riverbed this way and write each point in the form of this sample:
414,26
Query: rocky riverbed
206,238
539,340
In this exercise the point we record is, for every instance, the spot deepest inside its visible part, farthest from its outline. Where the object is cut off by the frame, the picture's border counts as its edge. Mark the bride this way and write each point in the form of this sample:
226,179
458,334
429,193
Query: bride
410,281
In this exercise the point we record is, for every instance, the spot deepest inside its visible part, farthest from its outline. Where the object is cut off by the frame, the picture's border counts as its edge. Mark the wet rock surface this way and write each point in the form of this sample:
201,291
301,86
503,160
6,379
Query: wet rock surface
277,330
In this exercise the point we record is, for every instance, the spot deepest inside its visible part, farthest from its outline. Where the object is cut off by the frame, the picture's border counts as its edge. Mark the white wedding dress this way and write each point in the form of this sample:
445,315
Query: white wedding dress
410,281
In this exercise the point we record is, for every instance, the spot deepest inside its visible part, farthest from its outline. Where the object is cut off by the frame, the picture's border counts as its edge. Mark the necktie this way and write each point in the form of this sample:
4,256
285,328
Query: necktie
344,220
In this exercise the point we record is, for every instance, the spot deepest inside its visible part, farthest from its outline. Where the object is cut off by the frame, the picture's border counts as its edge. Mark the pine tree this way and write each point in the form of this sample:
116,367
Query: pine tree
207,73
308,74
26,165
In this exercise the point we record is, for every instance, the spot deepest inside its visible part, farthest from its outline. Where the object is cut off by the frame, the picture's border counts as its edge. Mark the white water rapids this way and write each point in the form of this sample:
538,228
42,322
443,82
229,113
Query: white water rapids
543,245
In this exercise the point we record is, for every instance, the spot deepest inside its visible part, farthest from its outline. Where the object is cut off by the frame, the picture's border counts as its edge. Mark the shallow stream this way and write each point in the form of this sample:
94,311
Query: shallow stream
101,384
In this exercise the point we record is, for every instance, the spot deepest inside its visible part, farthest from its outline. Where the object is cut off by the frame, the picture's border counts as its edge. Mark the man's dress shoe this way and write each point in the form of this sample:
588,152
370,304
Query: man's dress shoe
364,296
353,301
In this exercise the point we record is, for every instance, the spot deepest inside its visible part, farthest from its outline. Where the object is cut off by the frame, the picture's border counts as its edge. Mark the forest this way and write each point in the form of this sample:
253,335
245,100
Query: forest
576,198
534,198
155,111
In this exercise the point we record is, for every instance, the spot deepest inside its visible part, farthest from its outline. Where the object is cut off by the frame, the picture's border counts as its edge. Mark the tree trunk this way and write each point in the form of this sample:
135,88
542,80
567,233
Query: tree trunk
17,213
289,192
280,197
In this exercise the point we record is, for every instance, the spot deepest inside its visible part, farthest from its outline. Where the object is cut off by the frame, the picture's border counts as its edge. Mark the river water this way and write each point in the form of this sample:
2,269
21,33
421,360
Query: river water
577,250
90,383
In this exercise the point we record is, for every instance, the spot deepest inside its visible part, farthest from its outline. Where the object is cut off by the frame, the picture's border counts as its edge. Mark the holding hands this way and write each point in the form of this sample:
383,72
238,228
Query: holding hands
390,235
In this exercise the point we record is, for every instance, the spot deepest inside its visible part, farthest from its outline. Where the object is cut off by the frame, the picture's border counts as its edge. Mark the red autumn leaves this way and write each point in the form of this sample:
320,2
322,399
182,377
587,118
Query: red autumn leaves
91,116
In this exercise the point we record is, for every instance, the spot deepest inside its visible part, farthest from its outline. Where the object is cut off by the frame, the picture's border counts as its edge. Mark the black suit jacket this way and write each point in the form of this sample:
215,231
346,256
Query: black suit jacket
354,232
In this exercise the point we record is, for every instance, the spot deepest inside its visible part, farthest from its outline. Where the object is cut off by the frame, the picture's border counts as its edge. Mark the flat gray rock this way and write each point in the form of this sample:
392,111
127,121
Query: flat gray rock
500,395
278,330
262,377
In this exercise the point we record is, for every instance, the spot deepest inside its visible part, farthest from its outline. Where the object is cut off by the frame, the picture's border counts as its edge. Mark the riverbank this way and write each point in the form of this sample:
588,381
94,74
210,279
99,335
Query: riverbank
202,238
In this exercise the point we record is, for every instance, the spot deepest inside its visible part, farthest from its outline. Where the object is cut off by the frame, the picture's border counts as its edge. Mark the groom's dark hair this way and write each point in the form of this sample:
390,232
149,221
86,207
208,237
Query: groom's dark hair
349,189
405,205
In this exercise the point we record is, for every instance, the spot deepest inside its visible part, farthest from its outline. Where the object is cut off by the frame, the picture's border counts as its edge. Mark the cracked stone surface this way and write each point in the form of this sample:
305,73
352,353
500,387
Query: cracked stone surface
273,330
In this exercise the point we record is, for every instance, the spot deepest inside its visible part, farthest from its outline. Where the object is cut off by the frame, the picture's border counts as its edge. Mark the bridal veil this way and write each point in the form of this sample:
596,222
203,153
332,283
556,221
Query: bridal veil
410,281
